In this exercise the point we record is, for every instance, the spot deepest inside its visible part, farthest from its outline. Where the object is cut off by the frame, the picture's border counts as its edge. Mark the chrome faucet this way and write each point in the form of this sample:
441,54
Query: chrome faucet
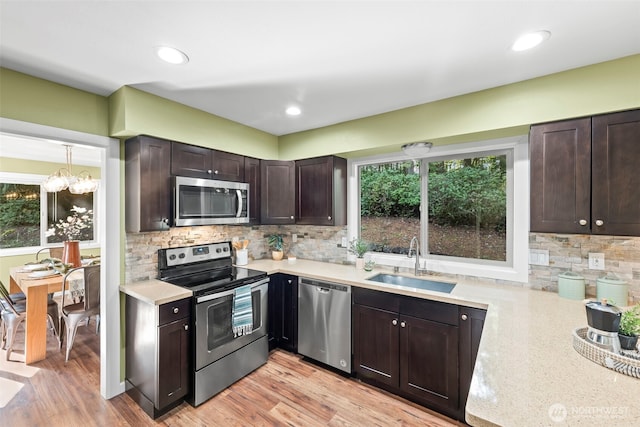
418,271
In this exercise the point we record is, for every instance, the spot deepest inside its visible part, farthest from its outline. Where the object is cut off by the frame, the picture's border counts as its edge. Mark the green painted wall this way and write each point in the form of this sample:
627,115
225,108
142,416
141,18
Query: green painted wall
503,111
8,164
134,112
34,100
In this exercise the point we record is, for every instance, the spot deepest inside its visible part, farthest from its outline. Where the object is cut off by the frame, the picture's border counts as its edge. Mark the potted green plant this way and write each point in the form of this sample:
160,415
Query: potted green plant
358,247
276,243
629,328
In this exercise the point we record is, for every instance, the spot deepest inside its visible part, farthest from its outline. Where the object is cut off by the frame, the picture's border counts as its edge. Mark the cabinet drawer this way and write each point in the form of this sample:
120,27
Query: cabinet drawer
376,299
429,310
175,310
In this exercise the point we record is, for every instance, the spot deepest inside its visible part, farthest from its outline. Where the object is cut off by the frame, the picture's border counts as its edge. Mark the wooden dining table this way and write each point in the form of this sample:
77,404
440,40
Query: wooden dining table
36,291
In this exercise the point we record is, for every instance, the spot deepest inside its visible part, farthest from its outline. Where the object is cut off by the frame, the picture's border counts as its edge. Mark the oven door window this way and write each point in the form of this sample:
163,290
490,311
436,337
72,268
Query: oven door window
219,315
207,202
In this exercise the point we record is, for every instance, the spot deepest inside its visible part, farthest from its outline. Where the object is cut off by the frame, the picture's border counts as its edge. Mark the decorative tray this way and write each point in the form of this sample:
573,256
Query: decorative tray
628,362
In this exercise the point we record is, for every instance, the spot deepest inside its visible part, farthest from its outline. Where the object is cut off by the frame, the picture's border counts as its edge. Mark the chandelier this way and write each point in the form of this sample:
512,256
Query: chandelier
63,178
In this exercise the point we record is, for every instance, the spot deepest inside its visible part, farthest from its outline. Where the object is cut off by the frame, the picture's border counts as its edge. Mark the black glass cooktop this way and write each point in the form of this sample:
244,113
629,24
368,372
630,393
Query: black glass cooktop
211,281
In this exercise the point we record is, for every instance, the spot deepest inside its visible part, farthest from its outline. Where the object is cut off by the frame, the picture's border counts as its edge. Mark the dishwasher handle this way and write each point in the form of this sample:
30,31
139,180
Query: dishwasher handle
324,287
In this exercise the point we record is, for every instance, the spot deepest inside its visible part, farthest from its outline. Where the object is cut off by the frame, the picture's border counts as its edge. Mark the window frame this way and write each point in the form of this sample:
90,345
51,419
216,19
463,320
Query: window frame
35,179
515,268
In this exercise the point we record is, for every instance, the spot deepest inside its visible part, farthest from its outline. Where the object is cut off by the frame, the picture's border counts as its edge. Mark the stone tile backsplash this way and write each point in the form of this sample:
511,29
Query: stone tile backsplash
570,252
312,242
566,252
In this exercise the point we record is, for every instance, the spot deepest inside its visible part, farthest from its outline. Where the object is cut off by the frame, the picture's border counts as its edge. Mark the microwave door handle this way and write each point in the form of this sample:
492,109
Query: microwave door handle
239,196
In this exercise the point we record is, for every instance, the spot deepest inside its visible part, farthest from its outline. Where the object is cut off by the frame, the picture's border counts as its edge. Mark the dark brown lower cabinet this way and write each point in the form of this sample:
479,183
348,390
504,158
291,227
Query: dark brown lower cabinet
283,312
415,348
158,369
471,325
375,345
429,362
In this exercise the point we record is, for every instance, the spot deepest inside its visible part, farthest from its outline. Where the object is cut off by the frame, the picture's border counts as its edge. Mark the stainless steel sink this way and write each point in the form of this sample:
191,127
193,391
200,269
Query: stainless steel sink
413,282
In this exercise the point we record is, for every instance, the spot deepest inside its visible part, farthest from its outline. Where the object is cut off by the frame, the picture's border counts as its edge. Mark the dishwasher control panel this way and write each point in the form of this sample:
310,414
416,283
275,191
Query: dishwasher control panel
323,284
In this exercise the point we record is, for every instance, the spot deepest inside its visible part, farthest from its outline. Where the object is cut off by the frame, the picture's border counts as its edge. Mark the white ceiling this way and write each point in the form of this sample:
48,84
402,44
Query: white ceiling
337,60
47,150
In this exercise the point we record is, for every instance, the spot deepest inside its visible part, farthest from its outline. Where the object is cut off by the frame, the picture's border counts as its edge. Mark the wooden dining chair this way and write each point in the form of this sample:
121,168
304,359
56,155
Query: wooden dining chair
73,310
14,312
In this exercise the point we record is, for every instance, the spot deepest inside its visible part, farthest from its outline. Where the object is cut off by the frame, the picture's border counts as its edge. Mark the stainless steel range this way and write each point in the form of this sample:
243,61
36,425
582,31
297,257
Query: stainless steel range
229,314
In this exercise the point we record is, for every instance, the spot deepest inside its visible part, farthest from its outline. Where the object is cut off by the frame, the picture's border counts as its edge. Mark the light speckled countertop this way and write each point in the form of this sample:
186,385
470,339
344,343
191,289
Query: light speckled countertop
155,292
527,372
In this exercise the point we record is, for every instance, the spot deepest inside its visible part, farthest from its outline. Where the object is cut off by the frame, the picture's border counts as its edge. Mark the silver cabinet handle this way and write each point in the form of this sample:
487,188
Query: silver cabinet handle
403,324
175,310
394,322
583,222
464,317
215,172
186,327
291,216
329,218
599,222
289,281
209,171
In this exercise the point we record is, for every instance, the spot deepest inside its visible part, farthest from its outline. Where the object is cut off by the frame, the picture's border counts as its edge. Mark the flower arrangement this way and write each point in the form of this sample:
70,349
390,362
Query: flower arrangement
72,227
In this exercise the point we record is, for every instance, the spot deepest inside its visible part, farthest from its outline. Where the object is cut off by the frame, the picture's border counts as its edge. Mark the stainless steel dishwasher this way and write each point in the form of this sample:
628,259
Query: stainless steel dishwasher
324,322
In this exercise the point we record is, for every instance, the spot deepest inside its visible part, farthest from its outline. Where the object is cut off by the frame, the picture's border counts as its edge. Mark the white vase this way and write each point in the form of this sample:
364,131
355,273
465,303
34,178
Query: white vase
359,263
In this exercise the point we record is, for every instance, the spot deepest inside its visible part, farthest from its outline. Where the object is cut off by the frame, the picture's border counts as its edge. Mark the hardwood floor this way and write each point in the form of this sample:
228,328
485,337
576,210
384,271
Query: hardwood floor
287,391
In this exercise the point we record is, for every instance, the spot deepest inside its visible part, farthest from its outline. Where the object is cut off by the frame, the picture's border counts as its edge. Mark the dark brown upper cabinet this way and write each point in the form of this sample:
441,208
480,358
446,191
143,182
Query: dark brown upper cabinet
277,192
147,184
583,175
252,177
201,162
321,191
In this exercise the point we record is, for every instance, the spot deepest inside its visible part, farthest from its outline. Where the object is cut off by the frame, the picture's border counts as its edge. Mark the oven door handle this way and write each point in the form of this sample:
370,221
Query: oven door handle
229,292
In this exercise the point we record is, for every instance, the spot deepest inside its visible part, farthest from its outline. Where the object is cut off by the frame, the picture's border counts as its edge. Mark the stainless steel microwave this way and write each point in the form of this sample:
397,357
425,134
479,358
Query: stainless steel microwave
198,201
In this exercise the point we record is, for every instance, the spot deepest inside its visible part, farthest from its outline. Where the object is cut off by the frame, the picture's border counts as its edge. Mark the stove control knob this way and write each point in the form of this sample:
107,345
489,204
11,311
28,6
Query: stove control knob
218,250
181,256
172,257
225,249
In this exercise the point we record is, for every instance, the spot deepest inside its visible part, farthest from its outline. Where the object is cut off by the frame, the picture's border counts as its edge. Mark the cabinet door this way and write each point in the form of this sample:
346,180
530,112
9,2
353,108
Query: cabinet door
615,177
429,362
227,166
190,160
173,362
375,345
561,176
321,191
252,177
147,184
277,181
289,317
283,312
471,325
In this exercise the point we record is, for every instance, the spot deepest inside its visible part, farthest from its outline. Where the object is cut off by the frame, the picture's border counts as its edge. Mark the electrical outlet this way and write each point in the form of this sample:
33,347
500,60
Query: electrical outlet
539,256
596,261
294,237
344,242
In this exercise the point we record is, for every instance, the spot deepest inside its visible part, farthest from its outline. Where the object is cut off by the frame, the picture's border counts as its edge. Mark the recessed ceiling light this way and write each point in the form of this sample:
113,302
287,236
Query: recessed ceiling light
293,111
530,40
171,55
